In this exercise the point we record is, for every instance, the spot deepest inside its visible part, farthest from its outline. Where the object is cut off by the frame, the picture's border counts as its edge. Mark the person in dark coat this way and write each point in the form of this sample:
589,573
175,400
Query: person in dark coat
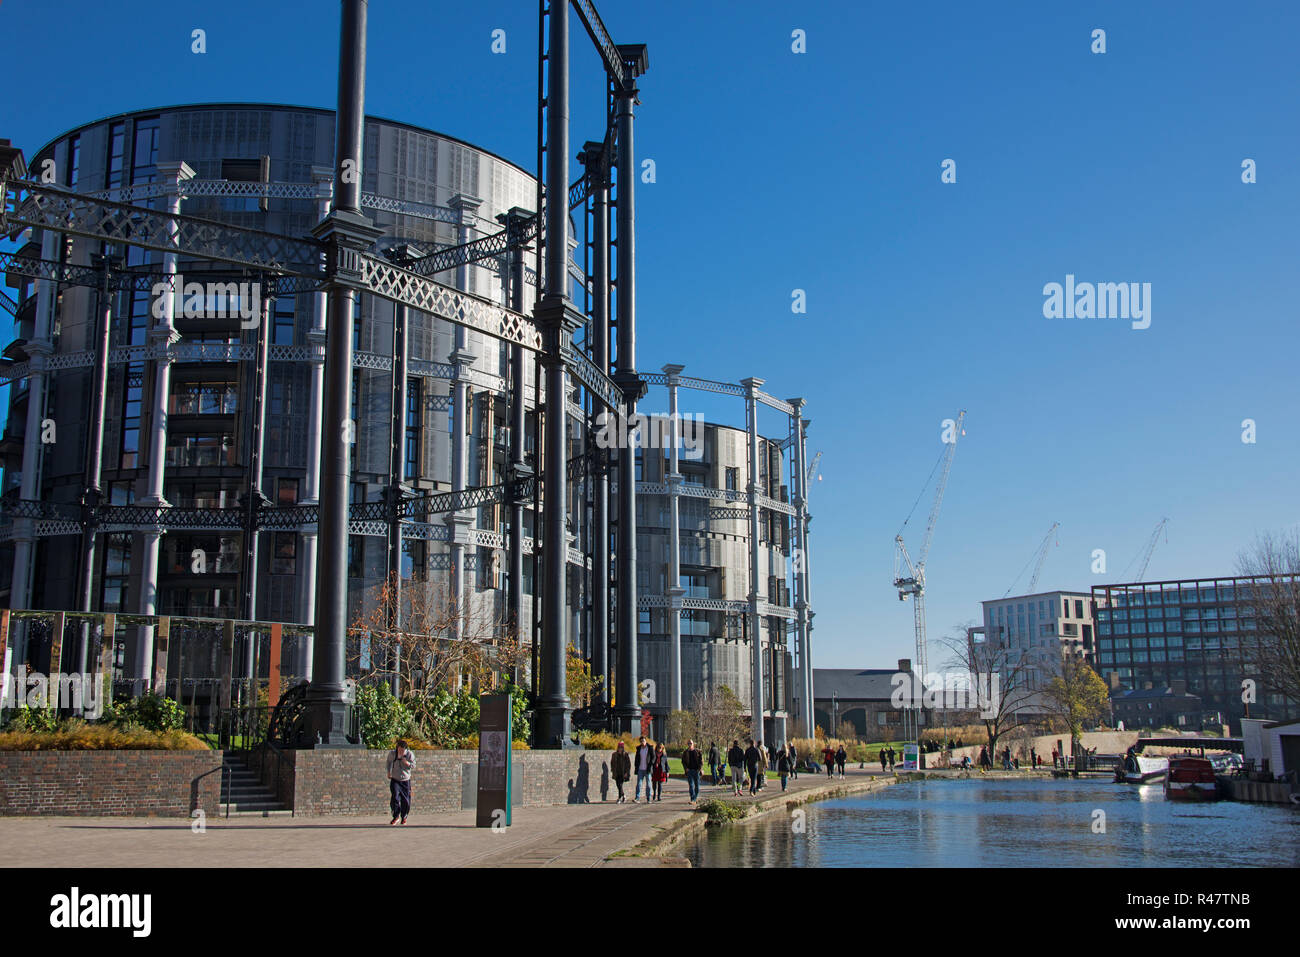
793,755
620,769
692,765
840,757
783,766
400,762
713,762
985,763
884,760
751,764
736,761
660,771
643,764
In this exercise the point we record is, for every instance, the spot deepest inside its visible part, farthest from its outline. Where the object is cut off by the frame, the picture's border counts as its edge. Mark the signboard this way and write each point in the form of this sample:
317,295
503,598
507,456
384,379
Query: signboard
911,757
493,804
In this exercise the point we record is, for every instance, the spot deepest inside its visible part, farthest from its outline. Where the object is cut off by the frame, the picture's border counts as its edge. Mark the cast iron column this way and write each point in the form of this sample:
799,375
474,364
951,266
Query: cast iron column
460,521
397,488
806,520
346,231
675,590
598,169
755,628
519,469
323,178
558,320
628,710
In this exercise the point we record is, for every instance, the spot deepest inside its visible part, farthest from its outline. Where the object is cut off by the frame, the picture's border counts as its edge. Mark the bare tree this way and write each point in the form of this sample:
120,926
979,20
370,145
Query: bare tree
1272,650
719,715
434,644
1001,676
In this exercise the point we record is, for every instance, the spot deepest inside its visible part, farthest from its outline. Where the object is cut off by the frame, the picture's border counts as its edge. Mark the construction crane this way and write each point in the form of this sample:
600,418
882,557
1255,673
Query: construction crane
1145,554
812,469
1039,558
912,584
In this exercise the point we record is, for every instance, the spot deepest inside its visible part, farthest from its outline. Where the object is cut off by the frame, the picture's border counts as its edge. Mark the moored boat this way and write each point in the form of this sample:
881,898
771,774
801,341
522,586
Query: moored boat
1191,779
1140,769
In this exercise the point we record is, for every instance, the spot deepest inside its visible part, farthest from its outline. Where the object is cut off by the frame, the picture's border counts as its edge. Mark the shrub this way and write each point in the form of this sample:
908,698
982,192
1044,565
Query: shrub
34,720
382,717
76,735
150,712
722,812
605,741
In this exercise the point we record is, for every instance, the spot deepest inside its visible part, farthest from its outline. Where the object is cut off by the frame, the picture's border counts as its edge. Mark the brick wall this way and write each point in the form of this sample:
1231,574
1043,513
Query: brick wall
354,781
110,783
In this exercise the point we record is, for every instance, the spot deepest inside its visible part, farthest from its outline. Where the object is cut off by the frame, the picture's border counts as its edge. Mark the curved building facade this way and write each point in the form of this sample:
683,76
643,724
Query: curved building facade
196,424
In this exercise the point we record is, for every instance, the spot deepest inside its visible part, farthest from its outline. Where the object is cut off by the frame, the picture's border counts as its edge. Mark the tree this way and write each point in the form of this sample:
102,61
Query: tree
1077,696
580,683
1002,676
720,716
1272,651
433,646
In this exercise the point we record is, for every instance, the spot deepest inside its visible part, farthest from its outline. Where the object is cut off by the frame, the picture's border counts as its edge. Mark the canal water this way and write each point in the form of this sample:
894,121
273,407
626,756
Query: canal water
1008,823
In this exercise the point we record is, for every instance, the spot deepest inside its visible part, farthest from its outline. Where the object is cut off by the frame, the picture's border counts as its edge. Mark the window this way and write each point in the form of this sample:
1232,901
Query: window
204,398
1078,608
413,559
412,454
731,480
285,560
282,321
116,155
356,556
286,491
74,161
201,451
643,622
117,571
144,158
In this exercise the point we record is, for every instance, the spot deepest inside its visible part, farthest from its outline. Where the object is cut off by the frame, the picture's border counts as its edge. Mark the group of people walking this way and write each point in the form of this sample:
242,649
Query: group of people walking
651,765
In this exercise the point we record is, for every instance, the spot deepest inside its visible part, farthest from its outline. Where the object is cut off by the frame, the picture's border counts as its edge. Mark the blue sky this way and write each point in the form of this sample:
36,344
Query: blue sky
821,171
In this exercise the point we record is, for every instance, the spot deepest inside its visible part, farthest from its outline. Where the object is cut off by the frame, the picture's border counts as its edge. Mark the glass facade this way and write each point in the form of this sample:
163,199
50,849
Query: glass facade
1198,631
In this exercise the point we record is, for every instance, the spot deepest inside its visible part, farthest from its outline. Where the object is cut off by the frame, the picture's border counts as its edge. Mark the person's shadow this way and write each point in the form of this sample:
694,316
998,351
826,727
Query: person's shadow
604,781
580,794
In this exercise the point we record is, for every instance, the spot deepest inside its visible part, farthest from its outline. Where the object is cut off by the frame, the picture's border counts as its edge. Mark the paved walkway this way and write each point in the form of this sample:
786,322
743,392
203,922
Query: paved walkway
575,835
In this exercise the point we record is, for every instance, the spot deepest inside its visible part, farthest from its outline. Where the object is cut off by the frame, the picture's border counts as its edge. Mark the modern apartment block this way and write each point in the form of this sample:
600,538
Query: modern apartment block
1042,625
1193,632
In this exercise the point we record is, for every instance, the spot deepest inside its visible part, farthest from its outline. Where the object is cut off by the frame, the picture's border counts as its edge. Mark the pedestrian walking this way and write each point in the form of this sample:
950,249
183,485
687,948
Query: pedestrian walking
884,759
644,763
892,755
620,769
1055,758
752,757
1006,759
1033,758
985,763
763,765
840,757
828,757
783,766
736,759
692,764
792,755
713,762
400,762
660,774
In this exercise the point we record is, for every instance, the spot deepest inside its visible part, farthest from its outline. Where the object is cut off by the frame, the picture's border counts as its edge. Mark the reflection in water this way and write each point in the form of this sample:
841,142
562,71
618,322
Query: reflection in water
999,823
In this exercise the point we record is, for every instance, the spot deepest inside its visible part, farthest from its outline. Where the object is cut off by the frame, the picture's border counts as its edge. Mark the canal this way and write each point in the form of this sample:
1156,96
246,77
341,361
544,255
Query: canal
1008,823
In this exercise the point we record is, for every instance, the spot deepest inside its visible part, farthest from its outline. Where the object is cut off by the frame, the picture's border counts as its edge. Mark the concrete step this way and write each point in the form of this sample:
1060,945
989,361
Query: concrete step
256,810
